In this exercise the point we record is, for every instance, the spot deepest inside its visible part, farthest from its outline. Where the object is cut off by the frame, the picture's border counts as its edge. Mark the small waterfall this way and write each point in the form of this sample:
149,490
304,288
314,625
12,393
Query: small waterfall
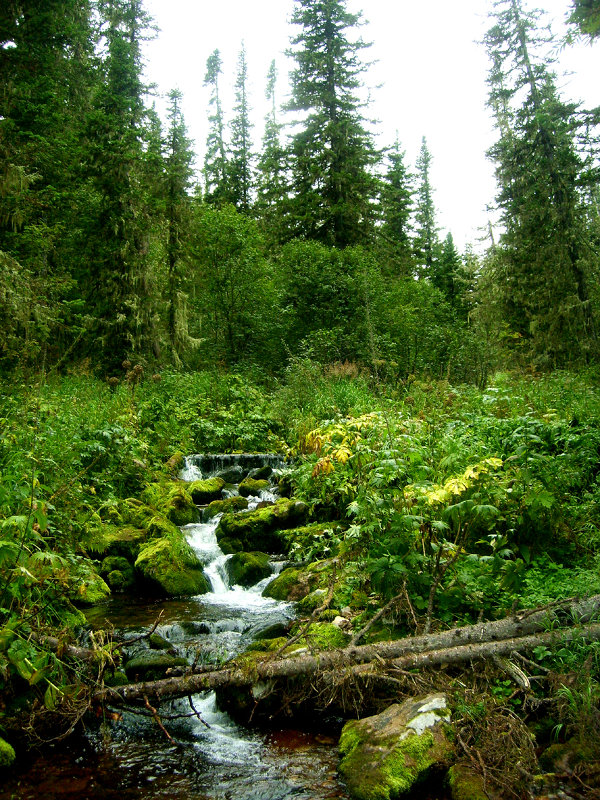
203,465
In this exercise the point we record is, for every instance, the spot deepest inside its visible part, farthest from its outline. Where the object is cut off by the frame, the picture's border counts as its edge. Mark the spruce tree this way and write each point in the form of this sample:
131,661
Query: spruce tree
396,202
272,172
426,240
118,286
241,177
333,189
178,182
45,74
216,166
539,265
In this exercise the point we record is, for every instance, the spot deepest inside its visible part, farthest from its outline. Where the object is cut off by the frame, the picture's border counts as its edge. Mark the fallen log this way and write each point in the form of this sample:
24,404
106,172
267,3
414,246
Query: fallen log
451,647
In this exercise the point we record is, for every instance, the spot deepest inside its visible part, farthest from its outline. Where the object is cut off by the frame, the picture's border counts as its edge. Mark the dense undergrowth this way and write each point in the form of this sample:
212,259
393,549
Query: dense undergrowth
465,502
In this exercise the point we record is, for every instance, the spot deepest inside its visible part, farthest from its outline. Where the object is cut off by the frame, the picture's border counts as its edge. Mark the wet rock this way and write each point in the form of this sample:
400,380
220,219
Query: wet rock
235,474
172,500
86,587
250,487
229,504
246,569
158,642
118,572
169,566
151,665
385,756
262,529
261,473
7,754
203,492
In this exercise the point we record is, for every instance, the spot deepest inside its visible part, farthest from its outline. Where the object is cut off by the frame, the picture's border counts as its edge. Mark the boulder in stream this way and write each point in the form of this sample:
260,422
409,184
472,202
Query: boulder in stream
169,566
203,492
261,529
235,503
151,665
246,569
252,487
385,756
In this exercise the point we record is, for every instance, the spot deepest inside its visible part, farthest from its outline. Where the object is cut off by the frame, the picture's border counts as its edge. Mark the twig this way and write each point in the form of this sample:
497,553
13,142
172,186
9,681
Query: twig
358,636
156,719
196,713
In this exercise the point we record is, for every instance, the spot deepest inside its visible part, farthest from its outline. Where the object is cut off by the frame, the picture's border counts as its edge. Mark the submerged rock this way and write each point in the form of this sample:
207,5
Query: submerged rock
385,756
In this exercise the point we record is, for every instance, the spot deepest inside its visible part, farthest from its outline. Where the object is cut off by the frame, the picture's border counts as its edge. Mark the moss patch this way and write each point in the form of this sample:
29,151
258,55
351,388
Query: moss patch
383,757
229,504
203,492
170,567
465,784
252,487
246,569
262,529
7,754
152,665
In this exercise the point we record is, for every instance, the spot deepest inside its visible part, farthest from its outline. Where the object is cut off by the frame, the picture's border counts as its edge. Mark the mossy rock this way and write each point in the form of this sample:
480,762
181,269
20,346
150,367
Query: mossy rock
250,487
175,464
7,754
267,645
465,784
384,757
229,546
204,492
86,587
234,474
158,642
172,500
118,573
228,504
293,584
117,678
125,541
170,567
284,585
325,636
151,665
261,473
313,600
262,529
247,569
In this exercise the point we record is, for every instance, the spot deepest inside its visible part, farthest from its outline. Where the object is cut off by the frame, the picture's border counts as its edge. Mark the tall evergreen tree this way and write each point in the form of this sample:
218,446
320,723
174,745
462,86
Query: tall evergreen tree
539,265
272,173
45,74
178,179
241,177
332,153
119,285
426,239
396,200
446,268
216,167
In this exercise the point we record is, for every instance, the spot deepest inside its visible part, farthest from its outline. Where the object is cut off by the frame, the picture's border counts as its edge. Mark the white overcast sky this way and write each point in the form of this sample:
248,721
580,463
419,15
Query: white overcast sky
430,69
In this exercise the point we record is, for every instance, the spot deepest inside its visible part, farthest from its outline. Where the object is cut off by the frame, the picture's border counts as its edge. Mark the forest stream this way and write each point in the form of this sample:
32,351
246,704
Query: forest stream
209,755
